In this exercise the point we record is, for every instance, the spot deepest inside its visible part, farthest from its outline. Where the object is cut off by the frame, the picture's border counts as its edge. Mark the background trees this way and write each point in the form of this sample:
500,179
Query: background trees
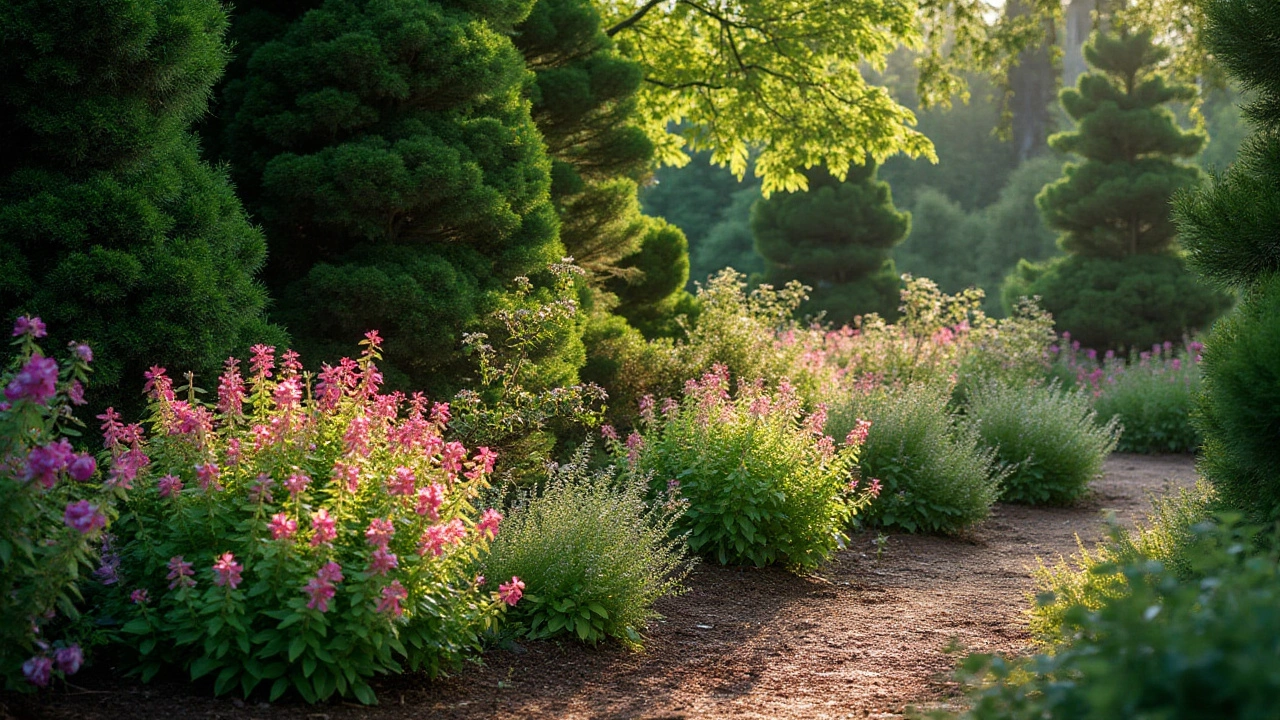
111,227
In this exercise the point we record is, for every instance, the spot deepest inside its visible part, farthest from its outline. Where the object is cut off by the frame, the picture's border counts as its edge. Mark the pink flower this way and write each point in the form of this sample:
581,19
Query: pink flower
858,435
482,462
875,487
451,457
180,573
646,407
207,474
169,486
759,407
392,595
440,415
260,490
356,437
44,462
83,352
126,467
159,386
288,394
38,670
321,588
488,525
437,537
75,393
139,597
27,325
608,432
401,482
233,451
634,444
263,360
818,420
84,517
382,561
325,531
69,659
510,593
36,381
296,484
289,362
349,475
282,526
430,498
227,571
231,389
379,532
669,406
330,572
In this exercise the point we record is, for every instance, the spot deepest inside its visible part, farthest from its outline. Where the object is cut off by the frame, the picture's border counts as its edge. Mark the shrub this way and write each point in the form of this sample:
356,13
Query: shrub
1048,437
934,476
1165,649
593,554
761,483
51,515
304,537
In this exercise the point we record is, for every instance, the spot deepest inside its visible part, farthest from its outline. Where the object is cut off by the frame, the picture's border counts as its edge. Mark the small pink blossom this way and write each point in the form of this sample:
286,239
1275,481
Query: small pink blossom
231,392
380,532
282,526
392,595
322,588
296,484
324,528
382,561
289,363
262,360
482,463
36,381
452,456
488,525
875,487
169,486
38,670
401,482
330,572
69,659
356,438
139,597
288,394
430,498
348,475
510,593
608,432
669,406
437,537
75,393
208,474
180,573
817,421
858,435
82,352
44,462
440,415
82,467
84,517
635,444
159,386
227,571
28,325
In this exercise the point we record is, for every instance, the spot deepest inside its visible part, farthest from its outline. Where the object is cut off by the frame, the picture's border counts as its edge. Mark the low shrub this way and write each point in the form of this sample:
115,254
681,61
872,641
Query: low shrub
1166,648
593,554
299,536
1048,438
52,509
761,482
934,475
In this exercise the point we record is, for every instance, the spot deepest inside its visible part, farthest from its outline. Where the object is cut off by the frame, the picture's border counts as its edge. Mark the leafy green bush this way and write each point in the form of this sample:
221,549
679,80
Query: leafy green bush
762,485
1153,396
1166,648
594,556
934,475
1048,438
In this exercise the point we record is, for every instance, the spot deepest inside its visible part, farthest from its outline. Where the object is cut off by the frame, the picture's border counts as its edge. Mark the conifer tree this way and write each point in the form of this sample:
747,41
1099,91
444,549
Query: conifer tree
836,238
1123,281
1231,229
111,227
388,149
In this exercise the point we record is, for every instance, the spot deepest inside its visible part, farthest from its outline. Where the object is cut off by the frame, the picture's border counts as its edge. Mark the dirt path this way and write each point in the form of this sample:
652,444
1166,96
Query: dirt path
862,640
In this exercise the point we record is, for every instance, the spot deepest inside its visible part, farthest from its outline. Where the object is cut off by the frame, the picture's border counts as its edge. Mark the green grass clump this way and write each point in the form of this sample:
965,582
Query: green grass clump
593,555
1048,438
1153,403
935,475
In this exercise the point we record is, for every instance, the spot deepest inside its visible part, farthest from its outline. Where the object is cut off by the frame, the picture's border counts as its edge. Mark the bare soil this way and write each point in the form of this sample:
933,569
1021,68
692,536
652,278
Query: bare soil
863,638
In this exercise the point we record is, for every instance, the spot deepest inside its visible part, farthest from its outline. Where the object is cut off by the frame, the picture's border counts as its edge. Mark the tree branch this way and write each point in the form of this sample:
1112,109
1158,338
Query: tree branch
636,17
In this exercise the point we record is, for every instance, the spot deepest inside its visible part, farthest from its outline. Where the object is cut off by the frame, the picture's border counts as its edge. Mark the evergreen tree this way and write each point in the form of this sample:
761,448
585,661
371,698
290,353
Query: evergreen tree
388,149
1231,230
1112,208
837,238
111,227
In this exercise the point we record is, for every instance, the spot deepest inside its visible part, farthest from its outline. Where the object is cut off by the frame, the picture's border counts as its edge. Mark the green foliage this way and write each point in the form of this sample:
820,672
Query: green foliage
1153,400
652,300
387,146
1110,303
1114,204
835,237
759,485
944,242
1165,648
593,554
934,474
1048,438
111,227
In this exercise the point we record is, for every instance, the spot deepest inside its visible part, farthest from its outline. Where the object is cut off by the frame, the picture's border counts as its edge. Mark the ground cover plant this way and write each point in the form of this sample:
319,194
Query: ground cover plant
933,473
296,535
1049,438
52,509
760,480
593,553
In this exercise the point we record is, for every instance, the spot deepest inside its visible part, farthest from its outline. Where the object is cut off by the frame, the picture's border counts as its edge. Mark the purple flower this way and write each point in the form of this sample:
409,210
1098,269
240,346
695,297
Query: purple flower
36,381
139,597
169,486
69,659
83,352
180,573
83,516
75,393
44,462
27,325
37,671
82,467
227,571
207,474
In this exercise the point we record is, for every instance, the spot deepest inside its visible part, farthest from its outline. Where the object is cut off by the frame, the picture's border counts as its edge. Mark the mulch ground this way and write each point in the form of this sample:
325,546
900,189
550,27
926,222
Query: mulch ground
863,638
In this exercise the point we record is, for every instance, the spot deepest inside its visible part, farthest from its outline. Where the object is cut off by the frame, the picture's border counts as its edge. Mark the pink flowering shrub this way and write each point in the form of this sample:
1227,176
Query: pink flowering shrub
760,480
52,509
300,535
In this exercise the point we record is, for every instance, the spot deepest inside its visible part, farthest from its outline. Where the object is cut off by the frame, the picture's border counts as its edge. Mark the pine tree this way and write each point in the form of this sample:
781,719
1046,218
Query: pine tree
1231,229
1123,282
388,149
111,227
837,238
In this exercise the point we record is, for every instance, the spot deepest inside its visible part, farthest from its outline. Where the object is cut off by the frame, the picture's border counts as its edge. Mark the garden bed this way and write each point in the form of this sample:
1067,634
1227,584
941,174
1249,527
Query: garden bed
861,638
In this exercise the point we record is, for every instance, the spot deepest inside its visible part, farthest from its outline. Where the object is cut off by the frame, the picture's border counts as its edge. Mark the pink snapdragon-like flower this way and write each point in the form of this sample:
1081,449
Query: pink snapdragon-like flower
84,517
180,573
125,467
226,571
430,498
296,484
262,359
818,420
321,588
324,528
28,325
282,526
83,352
759,407
635,444
858,435
401,482
382,561
488,525
452,457
510,593
36,381
440,415
392,595
169,486
231,392
69,659
437,537
348,475
356,438
159,386
233,452
82,467
646,408
608,432
38,670
208,474
380,532
139,597
288,394
75,393
482,463
875,487
44,462
669,406
290,363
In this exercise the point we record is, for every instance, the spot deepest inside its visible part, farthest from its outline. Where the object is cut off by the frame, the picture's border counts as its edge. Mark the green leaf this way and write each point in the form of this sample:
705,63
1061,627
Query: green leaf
225,680
203,666
296,647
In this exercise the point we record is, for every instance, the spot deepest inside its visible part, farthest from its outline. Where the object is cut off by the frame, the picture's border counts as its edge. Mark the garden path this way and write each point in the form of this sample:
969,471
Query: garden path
861,639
